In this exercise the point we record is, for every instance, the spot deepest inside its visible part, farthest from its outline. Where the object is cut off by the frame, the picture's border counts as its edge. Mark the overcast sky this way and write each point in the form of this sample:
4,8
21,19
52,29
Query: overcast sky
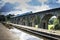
21,6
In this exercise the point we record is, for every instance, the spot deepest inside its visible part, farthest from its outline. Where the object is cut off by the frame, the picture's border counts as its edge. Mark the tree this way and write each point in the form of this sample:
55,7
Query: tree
2,18
9,16
55,22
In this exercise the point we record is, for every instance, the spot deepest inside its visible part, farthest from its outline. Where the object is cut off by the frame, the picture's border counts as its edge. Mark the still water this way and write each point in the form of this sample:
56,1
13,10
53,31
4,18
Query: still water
24,36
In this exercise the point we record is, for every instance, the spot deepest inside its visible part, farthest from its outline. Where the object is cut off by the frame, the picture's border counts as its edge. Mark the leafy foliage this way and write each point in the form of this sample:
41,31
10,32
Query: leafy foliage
9,16
2,18
55,22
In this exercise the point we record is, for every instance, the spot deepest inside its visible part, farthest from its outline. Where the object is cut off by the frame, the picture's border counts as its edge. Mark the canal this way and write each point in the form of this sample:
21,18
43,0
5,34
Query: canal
23,35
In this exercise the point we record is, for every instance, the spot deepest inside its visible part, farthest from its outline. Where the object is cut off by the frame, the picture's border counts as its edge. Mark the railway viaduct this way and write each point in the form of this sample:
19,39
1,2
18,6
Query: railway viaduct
46,15
30,18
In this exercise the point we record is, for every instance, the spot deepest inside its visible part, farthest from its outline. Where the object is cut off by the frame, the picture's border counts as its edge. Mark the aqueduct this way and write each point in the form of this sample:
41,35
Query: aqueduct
38,18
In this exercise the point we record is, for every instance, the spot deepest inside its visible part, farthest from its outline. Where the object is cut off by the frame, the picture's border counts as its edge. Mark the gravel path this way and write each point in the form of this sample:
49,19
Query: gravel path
5,34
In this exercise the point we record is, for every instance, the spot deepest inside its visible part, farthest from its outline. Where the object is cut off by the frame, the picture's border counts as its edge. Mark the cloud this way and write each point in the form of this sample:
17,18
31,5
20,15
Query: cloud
58,1
19,1
41,8
22,3
1,4
34,3
11,12
23,6
30,5
53,3
42,1
8,7
15,12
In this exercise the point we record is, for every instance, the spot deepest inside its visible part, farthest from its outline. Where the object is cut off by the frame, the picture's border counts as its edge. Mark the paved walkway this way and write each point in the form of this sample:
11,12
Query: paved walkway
5,34
55,32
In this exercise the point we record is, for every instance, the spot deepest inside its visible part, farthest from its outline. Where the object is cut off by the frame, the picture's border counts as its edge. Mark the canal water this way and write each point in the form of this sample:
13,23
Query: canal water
24,36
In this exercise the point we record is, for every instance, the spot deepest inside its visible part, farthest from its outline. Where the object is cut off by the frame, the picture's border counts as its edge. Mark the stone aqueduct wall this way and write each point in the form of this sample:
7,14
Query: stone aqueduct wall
40,18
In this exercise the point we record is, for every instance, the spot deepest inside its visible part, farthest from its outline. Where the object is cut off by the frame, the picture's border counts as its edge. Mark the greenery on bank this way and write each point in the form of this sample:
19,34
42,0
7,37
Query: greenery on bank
55,22
5,18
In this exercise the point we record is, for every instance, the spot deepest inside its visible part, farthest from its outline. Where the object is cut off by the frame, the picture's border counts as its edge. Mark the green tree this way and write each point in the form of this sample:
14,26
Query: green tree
9,16
56,21
2,18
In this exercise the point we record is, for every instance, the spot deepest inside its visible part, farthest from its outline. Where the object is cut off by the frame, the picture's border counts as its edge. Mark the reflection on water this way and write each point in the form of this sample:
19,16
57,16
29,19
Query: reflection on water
23,35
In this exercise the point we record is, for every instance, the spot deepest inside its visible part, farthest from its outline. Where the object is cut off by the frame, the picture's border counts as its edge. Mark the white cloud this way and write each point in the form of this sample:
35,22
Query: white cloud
15,12
42,1
41,8
23,4
1,4
58,1
25,7
13,1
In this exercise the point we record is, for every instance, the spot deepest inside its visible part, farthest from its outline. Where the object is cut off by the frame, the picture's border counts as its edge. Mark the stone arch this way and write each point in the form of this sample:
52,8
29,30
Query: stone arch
44,21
